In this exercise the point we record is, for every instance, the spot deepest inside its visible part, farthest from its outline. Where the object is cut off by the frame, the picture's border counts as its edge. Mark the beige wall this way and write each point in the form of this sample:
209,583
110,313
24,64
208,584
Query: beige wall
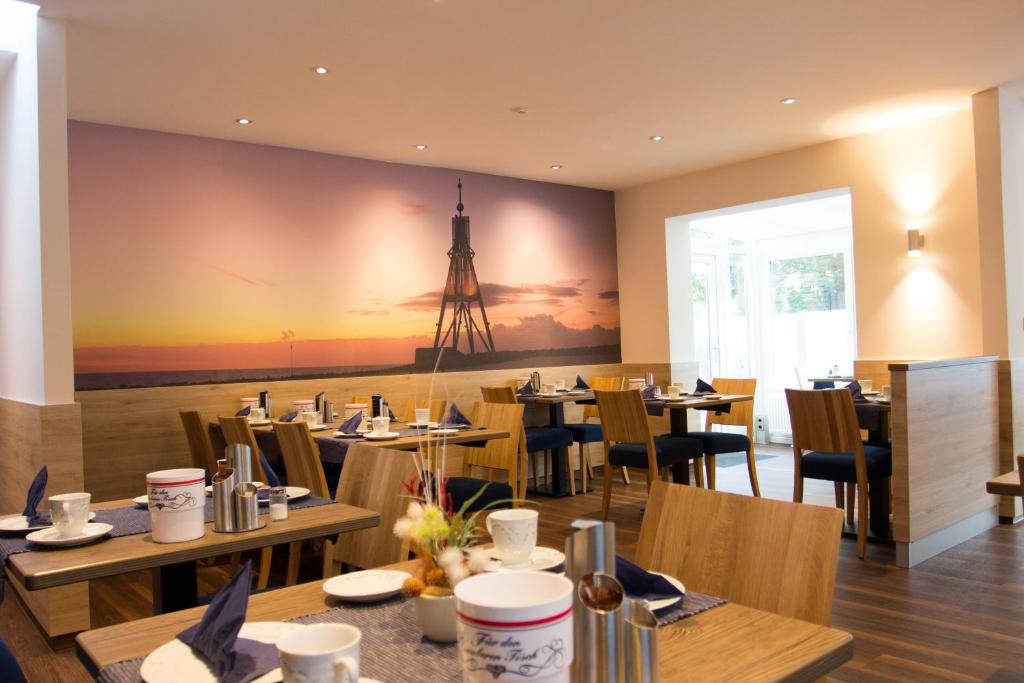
911,308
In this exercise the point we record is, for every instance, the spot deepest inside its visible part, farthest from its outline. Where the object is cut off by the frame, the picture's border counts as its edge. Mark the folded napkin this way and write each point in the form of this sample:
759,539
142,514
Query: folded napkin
244,412
648,392
704,388
580,384
272,478
35,494
640,583
456,418
350,425
527,389
391,414
858,393
288,417
215,637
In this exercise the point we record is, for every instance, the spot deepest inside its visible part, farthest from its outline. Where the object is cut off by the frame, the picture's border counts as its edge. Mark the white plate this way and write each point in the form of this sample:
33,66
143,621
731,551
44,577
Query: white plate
294,493
655,605
17,523
343,435
577,392
422,425
366,586
872,393
704,397
257,484
49,535
259,423
382,437
444,432
541,559
141,501
319,427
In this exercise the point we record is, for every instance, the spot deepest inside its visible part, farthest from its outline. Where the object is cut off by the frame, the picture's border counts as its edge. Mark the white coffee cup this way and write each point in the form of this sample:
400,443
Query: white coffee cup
547,388
560,385
506,619
515,535
176,504
310,417
381,425
422,416
674,391
866,384
248,402
70,512
320,653
887,392
257,415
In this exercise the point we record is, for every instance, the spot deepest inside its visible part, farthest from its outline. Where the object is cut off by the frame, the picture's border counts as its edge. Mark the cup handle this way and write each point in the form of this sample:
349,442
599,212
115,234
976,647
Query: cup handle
487,523
349,666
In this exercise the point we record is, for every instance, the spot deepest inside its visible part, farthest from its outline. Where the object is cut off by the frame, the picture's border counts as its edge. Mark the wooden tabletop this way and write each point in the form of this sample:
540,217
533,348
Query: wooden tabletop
122,554
683,404
1005,484
410,443
560,397
730,642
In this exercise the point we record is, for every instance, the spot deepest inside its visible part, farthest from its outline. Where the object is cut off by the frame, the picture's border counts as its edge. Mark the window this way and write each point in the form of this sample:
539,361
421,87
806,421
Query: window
809,283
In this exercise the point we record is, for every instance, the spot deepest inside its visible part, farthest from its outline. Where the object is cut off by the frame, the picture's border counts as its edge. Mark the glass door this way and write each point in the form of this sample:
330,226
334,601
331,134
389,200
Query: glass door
705,315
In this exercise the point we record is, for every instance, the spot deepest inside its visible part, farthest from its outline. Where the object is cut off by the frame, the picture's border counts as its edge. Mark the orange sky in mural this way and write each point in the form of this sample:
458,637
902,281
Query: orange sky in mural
196,252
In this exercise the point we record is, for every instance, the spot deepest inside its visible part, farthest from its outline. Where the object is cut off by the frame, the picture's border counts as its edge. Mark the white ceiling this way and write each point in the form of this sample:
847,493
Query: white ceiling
598,77
780,219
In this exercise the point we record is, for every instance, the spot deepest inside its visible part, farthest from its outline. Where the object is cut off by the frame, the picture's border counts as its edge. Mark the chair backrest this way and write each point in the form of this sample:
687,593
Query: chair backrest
238,430
604,384
772,555
623,416
436,406
741,413
372,479
199,444
499,394
499,454
301,457
824,420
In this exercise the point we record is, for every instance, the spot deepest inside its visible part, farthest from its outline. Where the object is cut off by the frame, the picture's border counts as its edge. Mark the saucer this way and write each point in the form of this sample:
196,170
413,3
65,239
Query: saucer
259,423
141,501
444,432
541,559
49,536
422,425
366,586
209,489
381,437
319,427
343,435
19,524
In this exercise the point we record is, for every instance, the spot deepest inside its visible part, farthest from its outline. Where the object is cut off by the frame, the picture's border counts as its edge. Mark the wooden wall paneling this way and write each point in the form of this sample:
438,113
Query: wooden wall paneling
1011,429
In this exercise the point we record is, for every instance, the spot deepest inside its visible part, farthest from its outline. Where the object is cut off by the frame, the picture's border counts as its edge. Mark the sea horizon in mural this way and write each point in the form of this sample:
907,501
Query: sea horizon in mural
233,261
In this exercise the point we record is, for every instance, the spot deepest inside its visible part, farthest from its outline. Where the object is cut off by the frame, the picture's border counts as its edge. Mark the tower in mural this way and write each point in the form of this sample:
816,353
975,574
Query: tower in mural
461,292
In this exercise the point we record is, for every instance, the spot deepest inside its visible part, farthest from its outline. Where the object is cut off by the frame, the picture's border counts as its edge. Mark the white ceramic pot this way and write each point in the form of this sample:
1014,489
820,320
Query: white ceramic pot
176,502
435,615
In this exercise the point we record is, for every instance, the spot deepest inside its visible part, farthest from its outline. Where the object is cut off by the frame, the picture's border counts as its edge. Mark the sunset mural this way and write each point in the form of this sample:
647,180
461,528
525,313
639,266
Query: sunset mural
201,260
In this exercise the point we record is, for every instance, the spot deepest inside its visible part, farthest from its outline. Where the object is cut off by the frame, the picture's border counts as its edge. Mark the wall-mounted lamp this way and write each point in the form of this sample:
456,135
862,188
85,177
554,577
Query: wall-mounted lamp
915,241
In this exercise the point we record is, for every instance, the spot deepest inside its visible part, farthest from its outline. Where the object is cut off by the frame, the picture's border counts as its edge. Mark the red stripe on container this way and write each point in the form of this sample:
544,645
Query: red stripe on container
176,483
514,624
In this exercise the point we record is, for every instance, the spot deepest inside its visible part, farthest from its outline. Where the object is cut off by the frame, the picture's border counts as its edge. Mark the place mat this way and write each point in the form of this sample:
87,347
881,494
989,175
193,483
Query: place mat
393,647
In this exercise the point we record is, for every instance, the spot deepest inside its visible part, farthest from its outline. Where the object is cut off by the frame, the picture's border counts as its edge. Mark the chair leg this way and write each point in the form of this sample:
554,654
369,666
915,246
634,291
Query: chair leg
536,471
234,562
329,563
752,471
798,487
839,494
590,466
263,577
570,471
862,518
698,472
851,492
584,466
294,557
709,465
606,494
625,476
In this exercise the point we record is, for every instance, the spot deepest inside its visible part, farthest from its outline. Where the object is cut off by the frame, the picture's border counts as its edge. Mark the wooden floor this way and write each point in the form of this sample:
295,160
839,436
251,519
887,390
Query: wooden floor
956,617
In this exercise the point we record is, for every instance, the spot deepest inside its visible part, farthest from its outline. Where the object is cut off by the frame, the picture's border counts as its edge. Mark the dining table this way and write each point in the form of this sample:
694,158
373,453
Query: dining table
557,485
728,642
173,564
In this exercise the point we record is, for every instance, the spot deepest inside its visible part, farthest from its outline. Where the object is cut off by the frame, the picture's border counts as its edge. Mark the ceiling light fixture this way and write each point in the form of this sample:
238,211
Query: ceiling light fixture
657,138
787,100
555,167
320,70
421,147
243,121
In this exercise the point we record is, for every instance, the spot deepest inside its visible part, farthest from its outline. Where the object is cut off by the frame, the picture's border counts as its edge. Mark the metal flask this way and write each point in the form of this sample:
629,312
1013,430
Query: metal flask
239,457
590,550
640,639
328,416
535,380
600,624
265,403
223,504
318,402
246,507
375,405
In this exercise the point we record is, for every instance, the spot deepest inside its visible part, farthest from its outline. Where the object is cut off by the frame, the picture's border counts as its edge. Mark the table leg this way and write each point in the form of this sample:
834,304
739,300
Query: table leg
880,437
681,473
175,587
559,483
677,421
878,507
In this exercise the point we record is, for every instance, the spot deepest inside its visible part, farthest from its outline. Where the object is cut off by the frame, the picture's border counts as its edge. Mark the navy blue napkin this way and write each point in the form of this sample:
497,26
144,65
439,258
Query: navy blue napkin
244,412
580,384
640,583
35,494
456,418
527,389
288,417
391,414
647,392
215,637
858,393
350,425
272,478
704,388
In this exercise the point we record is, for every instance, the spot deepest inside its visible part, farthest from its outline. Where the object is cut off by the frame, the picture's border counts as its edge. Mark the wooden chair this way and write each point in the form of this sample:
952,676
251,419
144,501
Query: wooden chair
372,478
585,433
740,414
499,455
199,444
768,554
624,422
302,461
827,445
238,430
436,406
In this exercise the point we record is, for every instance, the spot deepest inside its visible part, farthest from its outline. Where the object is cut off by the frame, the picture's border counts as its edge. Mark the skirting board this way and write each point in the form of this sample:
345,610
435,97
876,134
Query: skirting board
916,552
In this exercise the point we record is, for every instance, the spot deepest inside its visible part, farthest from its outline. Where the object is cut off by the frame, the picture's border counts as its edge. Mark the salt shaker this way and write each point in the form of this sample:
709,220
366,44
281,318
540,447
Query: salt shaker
278,504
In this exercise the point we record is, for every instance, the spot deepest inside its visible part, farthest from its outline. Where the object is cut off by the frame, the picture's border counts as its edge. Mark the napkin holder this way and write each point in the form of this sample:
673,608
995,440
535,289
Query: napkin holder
590,550
239,457
235,504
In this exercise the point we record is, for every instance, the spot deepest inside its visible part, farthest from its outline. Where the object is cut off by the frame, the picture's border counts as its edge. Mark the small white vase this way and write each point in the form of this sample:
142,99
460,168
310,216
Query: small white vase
435,615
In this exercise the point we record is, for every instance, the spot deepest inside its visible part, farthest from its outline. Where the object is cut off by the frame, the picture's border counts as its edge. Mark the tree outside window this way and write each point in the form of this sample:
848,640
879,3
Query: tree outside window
809,283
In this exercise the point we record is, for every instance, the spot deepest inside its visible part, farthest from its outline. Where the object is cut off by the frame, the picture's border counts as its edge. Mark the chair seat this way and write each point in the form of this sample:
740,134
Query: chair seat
841,467
462,489
716,443
546,438
671,450
585,432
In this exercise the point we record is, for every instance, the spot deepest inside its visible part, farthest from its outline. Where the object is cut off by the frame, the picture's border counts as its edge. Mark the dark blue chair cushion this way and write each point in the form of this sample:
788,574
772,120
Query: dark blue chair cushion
721,442
841,467
585,432
546,438
824,385
671,450
10,672
462,489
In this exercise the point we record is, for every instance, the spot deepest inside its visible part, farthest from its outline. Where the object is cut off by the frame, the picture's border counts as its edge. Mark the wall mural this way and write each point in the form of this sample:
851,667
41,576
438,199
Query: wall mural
197,260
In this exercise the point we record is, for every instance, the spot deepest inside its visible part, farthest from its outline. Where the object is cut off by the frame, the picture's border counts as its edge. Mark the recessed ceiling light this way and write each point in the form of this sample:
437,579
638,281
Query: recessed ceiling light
243,121
657,138
555,167
787,100
421,147
320,70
